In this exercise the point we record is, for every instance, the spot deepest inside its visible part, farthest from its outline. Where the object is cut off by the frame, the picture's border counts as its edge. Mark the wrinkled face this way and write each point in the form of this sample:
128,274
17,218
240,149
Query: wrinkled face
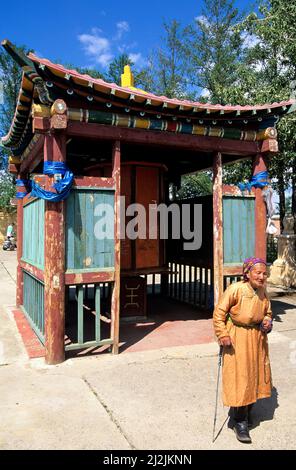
257,275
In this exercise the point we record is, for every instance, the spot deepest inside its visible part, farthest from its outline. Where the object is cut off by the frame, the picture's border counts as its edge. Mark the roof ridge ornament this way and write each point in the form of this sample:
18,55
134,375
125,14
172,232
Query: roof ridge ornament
128,81
127,78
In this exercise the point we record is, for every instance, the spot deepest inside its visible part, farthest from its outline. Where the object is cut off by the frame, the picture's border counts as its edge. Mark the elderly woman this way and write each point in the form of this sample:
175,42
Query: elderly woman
241,320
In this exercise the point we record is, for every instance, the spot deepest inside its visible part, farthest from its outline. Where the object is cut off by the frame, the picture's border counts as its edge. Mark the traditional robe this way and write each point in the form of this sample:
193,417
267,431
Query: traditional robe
246,366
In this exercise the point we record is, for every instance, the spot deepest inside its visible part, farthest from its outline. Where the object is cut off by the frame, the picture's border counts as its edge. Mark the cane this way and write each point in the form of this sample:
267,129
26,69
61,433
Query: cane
217,389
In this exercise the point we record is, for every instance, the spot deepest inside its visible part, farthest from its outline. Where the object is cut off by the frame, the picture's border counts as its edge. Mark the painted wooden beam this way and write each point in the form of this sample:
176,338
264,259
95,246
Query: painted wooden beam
217,227
260,164
232,270
54,260
198,143
232,190
94,182
35,156
33,270
115,305
41,125
89,278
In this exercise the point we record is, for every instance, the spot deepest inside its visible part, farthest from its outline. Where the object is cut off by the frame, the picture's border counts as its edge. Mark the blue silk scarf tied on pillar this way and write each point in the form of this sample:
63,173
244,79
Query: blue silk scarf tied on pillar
62,186
258,181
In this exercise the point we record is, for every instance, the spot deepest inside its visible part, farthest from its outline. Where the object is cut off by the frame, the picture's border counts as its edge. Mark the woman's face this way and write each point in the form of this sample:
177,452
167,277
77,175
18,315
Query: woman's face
257,275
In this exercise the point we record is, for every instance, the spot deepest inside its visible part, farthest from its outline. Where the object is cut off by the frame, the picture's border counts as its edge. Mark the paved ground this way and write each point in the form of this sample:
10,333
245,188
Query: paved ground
160,399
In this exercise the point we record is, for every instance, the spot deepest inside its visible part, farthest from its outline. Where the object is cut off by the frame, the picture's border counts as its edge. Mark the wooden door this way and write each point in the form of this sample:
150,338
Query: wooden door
147,192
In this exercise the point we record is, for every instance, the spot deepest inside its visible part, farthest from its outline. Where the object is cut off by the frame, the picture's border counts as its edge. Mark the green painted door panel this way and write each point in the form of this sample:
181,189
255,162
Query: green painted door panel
33,233
238,228
90,229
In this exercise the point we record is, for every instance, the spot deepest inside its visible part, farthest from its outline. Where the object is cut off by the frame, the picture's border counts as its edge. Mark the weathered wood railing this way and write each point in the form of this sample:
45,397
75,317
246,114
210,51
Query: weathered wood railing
191,284
33,306
230,279
86,307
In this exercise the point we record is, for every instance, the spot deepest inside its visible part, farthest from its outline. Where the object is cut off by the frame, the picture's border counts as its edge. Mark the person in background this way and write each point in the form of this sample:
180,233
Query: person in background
242,318
10,230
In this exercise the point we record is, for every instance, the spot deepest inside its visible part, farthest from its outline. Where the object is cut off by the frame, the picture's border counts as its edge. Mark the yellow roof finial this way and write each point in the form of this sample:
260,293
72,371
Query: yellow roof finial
127,78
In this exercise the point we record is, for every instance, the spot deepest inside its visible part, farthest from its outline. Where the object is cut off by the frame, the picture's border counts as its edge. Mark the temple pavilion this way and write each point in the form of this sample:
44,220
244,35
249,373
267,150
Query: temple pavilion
79,143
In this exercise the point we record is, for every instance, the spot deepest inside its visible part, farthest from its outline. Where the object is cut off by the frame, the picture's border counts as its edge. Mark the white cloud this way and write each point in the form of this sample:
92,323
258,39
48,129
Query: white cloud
203,20
122,28
105,59
250,40
97,47
205,93
101,50
127,47
138,59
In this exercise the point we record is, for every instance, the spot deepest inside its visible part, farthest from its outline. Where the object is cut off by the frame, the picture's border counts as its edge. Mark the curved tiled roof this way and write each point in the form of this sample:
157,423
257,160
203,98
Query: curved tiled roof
46,81
141,97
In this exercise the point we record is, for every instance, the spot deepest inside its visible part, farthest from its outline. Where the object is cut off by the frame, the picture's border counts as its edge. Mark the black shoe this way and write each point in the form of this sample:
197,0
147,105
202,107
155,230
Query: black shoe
242,432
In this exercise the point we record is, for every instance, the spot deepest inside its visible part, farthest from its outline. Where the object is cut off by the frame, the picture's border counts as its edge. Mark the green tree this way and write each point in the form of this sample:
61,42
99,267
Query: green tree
192,186
213,48
274,60
266,71
170,79
116,68
10,80
164,74
7,192
237,172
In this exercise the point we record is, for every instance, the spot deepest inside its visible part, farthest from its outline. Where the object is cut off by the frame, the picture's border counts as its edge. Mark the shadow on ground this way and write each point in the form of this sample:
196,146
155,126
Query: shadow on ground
168,323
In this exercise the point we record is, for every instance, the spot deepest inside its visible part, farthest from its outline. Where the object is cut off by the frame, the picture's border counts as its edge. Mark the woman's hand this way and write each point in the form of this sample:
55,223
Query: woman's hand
266,325
225,341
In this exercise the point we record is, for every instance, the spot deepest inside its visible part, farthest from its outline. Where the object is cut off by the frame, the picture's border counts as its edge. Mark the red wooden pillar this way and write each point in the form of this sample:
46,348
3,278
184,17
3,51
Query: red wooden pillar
19,271
54,260
217,227
116,289
259,164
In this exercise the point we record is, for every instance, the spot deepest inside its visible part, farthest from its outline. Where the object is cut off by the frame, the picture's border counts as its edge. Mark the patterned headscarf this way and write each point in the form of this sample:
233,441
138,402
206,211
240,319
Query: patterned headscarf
249,263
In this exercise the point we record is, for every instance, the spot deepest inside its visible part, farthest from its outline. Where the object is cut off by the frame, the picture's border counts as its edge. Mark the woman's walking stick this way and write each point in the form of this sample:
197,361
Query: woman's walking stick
217,389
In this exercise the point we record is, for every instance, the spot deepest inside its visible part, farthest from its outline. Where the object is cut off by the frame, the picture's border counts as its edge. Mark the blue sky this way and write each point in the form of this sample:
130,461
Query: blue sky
92,32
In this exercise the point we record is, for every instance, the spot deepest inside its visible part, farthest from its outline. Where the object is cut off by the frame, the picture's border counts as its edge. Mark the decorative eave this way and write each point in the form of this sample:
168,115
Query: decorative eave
73,82
20,132
44,81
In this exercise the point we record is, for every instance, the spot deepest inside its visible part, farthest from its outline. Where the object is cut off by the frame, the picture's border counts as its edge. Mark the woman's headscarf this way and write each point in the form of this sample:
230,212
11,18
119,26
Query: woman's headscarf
249,263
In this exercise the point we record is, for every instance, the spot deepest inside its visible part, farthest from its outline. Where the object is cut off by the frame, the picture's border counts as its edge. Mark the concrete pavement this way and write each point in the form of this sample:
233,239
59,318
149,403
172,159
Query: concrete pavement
161,399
